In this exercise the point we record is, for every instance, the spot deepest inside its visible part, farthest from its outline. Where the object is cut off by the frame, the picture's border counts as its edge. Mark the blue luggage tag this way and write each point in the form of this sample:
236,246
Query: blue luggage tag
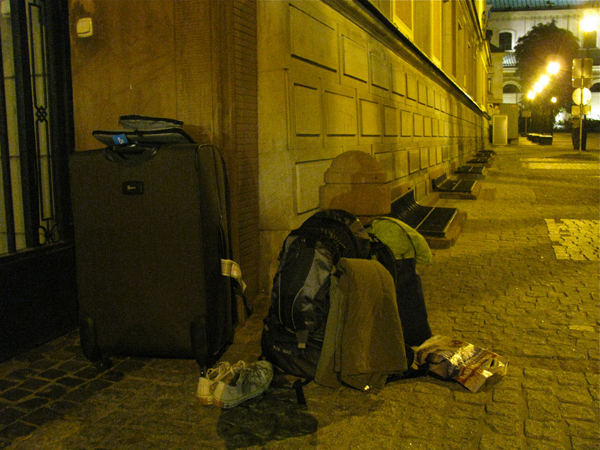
120,139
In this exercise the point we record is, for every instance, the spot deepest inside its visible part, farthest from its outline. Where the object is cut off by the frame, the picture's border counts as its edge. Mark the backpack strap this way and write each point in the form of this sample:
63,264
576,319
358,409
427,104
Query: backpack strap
302,336
384,255
298,387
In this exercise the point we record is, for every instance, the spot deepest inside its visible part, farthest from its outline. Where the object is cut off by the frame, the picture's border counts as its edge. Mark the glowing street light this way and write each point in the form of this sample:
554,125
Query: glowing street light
531,95
553,99
589,23
553,68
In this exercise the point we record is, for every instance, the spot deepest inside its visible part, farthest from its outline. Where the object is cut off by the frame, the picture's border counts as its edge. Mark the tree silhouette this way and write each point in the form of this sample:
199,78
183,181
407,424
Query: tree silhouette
543,44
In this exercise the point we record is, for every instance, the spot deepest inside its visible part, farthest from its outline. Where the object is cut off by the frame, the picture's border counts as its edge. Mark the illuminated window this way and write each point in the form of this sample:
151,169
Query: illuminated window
403,16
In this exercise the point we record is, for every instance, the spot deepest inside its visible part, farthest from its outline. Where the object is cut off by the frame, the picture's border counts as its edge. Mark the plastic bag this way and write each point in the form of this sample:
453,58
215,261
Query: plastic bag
450,358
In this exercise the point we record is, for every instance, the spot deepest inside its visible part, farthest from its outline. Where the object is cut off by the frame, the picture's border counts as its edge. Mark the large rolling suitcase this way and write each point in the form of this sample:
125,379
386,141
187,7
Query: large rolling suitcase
151,229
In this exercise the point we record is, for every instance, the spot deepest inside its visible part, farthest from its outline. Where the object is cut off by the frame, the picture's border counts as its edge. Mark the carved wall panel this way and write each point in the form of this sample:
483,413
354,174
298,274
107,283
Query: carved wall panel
304,29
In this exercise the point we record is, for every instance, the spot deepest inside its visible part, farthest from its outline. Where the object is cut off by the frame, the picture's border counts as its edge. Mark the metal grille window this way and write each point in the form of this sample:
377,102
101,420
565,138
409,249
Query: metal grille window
31,102
43,169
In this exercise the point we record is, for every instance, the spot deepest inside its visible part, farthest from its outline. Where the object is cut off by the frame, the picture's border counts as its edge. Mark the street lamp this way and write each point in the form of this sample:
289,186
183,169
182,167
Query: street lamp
589,23
553,68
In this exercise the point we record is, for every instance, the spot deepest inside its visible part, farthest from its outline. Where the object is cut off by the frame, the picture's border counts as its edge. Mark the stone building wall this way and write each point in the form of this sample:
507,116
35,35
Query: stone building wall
194,61
334,77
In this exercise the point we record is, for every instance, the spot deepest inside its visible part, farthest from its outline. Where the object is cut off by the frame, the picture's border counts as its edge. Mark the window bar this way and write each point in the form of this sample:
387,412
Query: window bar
27,136
56,20
37,42
5,157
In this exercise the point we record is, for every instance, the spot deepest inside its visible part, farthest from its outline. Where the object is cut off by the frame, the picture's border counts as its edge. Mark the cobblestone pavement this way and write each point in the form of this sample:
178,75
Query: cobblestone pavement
522,280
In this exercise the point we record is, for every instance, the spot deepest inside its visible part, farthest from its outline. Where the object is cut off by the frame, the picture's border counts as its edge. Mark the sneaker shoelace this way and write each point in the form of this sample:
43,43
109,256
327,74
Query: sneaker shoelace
214,373
234,373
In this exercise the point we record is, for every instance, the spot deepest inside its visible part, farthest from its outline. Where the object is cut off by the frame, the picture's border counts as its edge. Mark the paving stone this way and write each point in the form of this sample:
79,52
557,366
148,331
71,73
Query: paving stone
21,374
112,375
6,384
593,387
505,425
540,410
131,365
510,396
73,366
511,380
568,394
33,384
52,391
41,416
463,430
584,429
579,443
495,442
570,378
578,412
502,409
32,404
70,381
544,430
78,395
52,374
468,411
543,396
9,415
88,373
15,394
42,364
570,352
539,351
17,429
479,398
539,444
63,406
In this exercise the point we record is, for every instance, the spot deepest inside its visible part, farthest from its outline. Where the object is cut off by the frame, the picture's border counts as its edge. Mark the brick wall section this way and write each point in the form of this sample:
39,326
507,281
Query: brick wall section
245,139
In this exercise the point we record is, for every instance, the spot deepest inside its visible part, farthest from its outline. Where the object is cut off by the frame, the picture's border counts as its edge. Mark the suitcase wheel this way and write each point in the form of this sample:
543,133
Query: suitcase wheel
89,344
103,364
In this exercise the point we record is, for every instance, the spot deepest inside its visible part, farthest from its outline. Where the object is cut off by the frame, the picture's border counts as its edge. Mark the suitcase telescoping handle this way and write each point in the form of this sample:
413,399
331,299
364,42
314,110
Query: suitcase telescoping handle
130,155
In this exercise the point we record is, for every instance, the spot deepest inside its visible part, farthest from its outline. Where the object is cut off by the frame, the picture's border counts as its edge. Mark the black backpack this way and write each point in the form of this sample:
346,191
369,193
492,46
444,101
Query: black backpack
294,328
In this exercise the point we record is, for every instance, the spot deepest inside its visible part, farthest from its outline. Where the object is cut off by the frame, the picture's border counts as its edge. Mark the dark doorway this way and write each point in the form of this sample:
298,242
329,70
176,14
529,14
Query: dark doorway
38,298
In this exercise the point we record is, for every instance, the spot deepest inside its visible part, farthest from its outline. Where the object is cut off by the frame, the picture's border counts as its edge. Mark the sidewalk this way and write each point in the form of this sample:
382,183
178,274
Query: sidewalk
522,280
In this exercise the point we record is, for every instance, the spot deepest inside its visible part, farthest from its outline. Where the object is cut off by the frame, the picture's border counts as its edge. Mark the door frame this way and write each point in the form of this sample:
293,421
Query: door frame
38,294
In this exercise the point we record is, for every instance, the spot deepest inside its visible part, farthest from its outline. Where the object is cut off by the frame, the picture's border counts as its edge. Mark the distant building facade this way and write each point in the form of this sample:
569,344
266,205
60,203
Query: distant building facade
511,20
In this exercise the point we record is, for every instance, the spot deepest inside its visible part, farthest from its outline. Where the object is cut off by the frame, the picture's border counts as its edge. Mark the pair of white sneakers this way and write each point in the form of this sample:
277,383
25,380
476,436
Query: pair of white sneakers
229,385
